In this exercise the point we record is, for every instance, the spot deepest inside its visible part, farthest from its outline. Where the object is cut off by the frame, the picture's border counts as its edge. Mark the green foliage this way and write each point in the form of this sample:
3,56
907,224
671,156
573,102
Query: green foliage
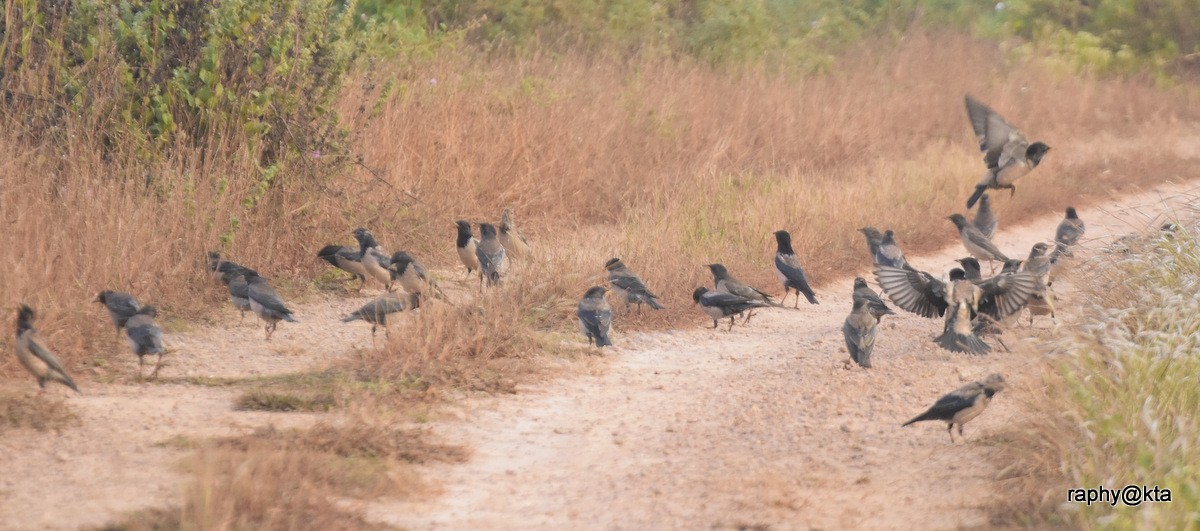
1109,35
152,74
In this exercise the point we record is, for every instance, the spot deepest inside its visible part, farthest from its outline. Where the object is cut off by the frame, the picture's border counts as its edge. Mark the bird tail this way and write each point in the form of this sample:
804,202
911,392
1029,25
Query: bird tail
922,417
979,190
955,342
812,297
603,341
351,317
654,303
1060,250
328,252
288,317
493,277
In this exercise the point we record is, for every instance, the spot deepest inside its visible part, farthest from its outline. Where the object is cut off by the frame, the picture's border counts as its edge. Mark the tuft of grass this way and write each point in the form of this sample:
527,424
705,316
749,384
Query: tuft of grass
1121,403
265,400
41,413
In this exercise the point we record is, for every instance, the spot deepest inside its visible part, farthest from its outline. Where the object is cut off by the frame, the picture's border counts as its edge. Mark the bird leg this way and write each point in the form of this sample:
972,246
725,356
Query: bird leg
950,430
786,291
157,366
731,318
269,328
714,324
960,433
141,362
118,334
1012,193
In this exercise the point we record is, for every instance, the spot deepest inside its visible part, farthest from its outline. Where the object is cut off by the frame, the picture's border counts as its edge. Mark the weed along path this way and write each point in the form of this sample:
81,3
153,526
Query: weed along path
767,425
764,426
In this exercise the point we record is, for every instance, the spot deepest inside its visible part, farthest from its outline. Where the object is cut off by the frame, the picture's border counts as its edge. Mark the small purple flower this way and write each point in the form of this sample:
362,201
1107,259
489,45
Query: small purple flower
315,154
433,81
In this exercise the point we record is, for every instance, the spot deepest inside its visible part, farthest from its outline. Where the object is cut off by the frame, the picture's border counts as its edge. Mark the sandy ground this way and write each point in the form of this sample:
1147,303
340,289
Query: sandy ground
764,426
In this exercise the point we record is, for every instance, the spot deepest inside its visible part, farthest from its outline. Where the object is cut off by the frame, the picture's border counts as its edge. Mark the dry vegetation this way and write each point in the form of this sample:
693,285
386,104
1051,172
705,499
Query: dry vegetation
26,410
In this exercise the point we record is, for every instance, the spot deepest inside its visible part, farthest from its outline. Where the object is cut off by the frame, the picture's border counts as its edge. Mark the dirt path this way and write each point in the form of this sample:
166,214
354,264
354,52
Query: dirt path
763,426
760,427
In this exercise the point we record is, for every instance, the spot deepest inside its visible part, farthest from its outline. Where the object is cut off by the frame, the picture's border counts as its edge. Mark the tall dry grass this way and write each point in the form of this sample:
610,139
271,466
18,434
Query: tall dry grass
666,163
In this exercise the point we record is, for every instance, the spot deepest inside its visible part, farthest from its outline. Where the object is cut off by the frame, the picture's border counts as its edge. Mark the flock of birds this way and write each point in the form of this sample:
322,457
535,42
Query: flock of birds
971,305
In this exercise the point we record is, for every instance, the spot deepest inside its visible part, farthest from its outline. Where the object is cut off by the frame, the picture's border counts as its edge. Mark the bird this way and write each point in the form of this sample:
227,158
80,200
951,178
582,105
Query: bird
346,258
985,220
465,244
266,302
376,311
963,404
121,306
34,357
145,337
222,270
874,237
863,292
595,316
1069,232
725,282
975,242
970,267
511,238
719,304
787,267
1005,151
493,261
412,276
1038,263
239,292
959,300
374,260
859,331
888,253
627,287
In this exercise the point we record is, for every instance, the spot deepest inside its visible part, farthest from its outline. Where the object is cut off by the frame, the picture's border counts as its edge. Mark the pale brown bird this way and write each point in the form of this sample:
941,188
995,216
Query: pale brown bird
975,242
1005,151
859,332
1038,263
511,238
34,356
465,245
963,404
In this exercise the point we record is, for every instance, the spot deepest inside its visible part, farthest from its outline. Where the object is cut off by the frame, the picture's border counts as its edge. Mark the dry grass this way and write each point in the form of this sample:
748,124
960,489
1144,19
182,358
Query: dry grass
42,413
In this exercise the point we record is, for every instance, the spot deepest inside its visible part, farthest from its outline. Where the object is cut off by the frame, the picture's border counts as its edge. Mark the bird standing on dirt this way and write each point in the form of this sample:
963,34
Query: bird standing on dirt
346,258
875,305
1005,151
493,260
34,357
266,302
787,267
719,305
725,282
963,404
958,335
511,238
985,220
375,260
1038,264
376,311
1069,232
859,332
595,316
975,242
627,287
145,338
412,276
465,245
888,253
239,292
120,305
874,237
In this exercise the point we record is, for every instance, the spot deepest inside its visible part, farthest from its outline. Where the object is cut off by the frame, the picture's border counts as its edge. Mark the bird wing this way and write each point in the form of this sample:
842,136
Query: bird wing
1067,234
597,320
265,295
971,233
38,350
948,405
146,333
122,304
993,132
1013,151
1007,294
721,299
742,290
789,266
915,291
857,339
630,283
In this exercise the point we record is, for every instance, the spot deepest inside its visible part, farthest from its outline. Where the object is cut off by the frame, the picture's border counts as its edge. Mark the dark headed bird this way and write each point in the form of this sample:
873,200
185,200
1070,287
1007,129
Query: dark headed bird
970,267
874,237
34,357
725,282
412,276
719,305
959,300
375,260
145,338
888,253
875,305
1069,232
628,287
511,238
376,311
1005,151
985,219
493,260
346,258
787,266
1038,264
465,245
266,302
239,292
120,305
859,331
595,316
222,270
963,404
975,242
